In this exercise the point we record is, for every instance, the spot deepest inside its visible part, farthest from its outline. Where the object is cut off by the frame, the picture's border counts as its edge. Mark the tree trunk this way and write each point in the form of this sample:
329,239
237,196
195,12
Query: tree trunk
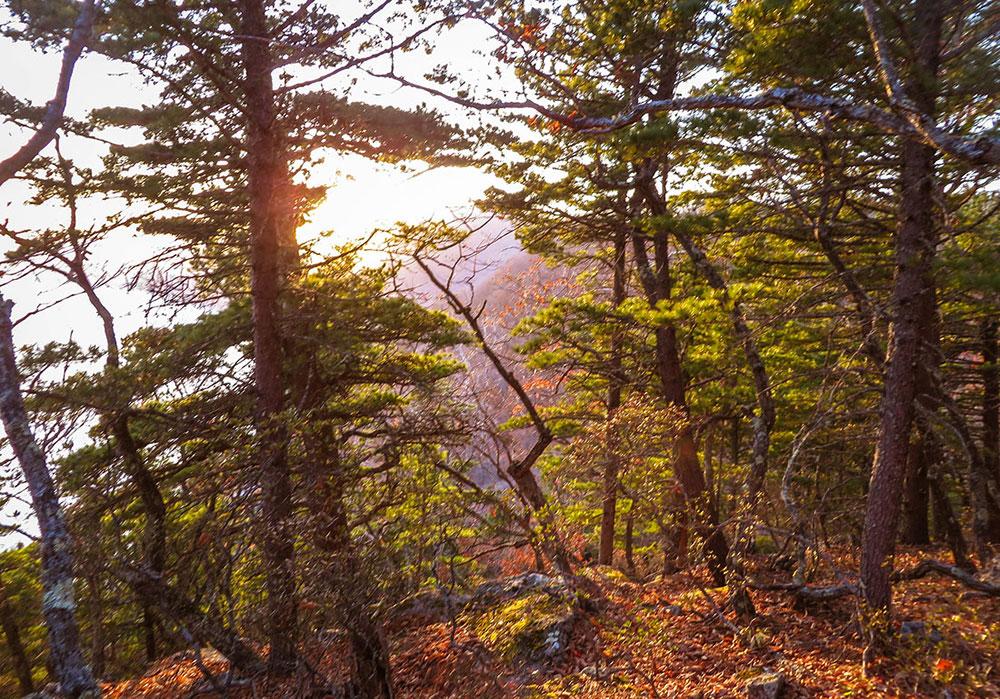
372,675
629,539
610,481
763,421
272,227
58,604
198,627
8,622
947,523
668,366
914,252
916,498
913,267
991,396
925,451
520,471
154,507
155,533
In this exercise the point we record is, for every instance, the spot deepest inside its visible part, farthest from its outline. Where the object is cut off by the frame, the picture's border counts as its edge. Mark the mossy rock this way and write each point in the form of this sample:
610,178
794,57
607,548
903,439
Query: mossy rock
532,627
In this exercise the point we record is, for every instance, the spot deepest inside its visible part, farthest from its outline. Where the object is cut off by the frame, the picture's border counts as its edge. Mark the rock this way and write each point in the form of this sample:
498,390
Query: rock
533,627
597,673
766,686
917,628
436,605
527,618
508,588
443,604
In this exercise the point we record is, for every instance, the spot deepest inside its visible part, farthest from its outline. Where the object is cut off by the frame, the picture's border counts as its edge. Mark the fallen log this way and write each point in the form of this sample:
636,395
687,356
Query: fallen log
930,566
808,592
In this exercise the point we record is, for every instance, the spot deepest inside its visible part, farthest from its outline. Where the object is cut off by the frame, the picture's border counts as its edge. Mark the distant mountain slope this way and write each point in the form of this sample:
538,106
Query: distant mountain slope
494,273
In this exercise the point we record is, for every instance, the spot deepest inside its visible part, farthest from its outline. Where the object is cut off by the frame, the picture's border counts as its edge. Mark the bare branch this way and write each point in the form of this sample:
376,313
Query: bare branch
978,150
56,107
925,568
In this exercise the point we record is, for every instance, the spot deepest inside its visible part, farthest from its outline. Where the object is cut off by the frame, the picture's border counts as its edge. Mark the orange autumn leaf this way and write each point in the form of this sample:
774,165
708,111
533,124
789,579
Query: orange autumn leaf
944,665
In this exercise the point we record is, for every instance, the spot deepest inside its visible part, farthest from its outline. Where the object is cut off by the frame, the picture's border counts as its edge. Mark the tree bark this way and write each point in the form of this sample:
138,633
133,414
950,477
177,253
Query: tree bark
991,396
8,622
668,366
916,498
58,604
372,674
609,500
914,252
272,230
763,421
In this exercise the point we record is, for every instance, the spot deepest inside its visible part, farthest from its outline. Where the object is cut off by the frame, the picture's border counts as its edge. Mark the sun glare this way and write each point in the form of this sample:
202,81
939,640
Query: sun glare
365,196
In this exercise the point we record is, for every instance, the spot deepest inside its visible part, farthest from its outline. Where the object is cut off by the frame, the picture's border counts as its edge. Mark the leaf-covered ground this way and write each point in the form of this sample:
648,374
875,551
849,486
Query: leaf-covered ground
666,638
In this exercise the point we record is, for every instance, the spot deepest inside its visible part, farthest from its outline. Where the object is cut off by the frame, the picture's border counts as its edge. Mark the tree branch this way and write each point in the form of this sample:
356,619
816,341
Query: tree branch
56,107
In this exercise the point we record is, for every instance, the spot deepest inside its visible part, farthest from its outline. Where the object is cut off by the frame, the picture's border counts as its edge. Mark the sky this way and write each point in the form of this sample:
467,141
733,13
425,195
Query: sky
362,195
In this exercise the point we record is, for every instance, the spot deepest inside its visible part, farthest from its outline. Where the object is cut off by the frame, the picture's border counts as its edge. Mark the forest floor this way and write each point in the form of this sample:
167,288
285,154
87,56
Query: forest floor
666,638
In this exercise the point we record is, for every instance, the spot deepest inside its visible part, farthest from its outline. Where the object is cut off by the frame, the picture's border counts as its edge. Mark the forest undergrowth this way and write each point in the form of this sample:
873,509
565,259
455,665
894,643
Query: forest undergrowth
664,637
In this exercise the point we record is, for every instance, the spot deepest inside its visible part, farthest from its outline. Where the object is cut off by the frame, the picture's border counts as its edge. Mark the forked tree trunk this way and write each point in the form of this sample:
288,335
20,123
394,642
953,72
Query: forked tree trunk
58,603
914,252
272,226
609,500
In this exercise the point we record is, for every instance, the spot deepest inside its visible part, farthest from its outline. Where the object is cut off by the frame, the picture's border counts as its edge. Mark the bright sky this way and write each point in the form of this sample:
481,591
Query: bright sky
362,195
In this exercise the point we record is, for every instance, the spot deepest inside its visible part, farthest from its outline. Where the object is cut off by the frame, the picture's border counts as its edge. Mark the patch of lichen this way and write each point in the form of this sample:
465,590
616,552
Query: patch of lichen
518,628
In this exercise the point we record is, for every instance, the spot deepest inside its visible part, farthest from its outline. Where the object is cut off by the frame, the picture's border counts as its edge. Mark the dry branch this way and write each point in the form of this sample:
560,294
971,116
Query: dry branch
55,108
